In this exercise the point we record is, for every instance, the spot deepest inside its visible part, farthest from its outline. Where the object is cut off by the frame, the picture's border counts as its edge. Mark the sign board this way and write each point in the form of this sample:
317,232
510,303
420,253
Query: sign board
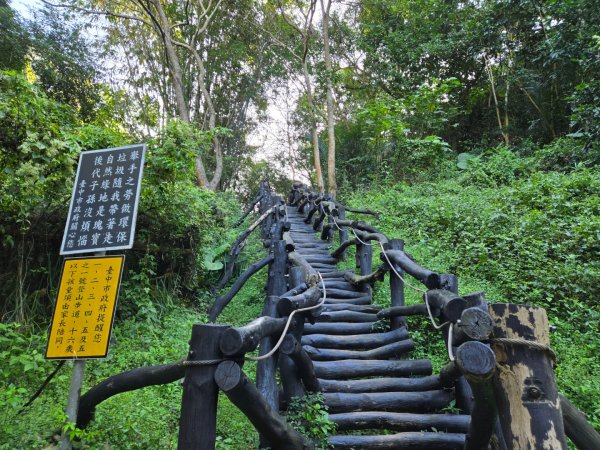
85,307
104,202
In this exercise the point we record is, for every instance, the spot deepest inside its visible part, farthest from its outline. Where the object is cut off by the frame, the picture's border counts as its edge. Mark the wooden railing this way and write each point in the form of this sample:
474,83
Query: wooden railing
500,363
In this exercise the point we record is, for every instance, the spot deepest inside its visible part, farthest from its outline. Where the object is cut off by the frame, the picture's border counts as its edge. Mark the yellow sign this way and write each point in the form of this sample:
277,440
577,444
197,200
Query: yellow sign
85,307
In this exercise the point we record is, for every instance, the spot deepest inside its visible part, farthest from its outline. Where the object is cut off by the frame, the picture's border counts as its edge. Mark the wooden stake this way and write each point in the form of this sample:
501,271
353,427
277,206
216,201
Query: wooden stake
525,389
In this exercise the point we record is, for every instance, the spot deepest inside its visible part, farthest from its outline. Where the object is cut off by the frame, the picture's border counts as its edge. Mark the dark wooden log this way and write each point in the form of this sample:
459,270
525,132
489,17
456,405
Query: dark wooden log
425,276
347,316
298,289
277,282
317,259
449,374
237,341
422,401
338,328
449,304
198,422
291,347
577,428
449,423
266,381
328,231
356,211
311,212
395,349
335,284
364,259
413,440
355,342
312,278
370,278
308,298
334,274
525,388
474,324
477,363
396,285
343,293
222,301
124,382
319,221
399,311
290,378
248,210
290,245
243,394
429,383
359,226
343,236
372,309
364,300
351,368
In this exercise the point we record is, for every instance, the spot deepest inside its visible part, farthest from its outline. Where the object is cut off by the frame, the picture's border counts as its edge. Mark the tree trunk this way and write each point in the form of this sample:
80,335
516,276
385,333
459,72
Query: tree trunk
313,125
173,60
331,181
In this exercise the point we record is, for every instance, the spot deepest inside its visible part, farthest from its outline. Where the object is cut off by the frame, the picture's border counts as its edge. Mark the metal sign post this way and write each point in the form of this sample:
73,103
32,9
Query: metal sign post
102,217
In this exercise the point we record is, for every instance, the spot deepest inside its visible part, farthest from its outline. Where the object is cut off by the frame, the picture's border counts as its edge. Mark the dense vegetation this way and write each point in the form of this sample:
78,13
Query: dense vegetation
473,127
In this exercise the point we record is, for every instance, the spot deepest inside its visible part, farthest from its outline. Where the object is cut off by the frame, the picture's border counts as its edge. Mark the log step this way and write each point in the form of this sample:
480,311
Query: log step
350,307
355,341
347,316
358,368
410,440
338,328
422,401
343,293
393,350
429,383
370,420
364,300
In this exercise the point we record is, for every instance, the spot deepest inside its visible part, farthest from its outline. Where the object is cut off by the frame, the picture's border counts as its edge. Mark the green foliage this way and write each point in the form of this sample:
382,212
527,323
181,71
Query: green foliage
309,416
522,232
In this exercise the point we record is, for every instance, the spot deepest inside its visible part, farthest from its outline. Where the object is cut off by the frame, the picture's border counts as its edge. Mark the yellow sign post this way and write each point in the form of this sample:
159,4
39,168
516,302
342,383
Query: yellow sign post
85,307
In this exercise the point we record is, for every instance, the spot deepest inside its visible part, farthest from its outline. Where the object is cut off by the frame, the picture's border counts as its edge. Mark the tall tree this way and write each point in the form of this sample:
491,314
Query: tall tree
331,180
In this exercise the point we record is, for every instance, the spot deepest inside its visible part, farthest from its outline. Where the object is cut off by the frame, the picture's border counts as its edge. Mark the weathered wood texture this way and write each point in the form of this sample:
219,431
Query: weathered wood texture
577,428
243,394
525,388
477,363
397,384
125,382
266,381
393,350
425,276
222,301
358,341
292,348
419,401
351,368
400,421
237,341
410,440
198,422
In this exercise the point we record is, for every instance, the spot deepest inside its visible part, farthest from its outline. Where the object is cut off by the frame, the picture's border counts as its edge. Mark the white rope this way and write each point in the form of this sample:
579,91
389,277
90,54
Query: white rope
426,298
287,325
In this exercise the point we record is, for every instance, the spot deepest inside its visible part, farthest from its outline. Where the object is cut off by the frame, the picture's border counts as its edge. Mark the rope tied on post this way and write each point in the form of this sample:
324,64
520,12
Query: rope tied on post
208,362
525,343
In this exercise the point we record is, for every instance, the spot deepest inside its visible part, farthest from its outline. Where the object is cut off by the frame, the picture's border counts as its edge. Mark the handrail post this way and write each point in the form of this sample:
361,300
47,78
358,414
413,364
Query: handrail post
290,377
524,384
198,421
397,286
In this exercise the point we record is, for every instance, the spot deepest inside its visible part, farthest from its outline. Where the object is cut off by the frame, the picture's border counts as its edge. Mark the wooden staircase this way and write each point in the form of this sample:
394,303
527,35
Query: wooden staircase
377,397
